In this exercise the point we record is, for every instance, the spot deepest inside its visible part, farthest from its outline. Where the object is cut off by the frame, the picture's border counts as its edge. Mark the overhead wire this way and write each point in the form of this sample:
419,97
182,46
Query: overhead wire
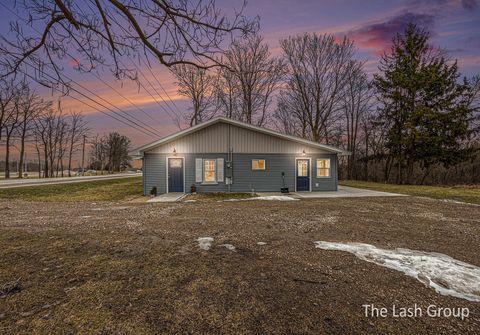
155,131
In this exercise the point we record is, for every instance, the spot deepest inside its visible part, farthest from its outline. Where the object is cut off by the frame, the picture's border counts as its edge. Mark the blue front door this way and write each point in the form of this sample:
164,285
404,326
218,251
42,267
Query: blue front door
303,175
175,175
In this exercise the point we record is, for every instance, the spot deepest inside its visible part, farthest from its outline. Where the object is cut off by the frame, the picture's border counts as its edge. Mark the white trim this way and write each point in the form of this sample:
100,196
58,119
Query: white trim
166,171
310,172
142,149
329,168
203,172
258,159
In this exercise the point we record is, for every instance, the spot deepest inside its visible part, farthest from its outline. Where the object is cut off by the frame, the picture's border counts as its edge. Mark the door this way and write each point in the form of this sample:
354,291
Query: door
303,175
175,175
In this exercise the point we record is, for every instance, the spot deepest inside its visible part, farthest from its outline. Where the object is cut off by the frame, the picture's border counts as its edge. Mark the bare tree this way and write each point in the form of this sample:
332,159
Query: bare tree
63,130
251,77
227,93
77,129
356,102
11,123
7,99
197,85
318,67
48,133
103,32
110,151
30,107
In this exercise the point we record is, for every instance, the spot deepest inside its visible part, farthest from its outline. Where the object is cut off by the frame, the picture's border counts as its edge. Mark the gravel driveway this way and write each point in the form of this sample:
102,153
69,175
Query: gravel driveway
136,268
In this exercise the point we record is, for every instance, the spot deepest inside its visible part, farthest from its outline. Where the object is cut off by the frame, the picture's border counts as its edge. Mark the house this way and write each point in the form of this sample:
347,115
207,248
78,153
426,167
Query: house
224,155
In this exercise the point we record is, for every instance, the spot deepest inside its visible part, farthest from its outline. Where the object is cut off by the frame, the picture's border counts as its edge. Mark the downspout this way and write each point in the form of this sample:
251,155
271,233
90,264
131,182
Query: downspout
229,159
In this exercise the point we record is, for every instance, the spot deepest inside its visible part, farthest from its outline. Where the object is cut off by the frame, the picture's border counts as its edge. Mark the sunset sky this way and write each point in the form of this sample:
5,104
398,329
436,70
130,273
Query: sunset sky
454,24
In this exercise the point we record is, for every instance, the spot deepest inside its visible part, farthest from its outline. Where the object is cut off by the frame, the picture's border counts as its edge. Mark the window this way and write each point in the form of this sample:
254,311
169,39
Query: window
302,168
258,164
209,173
323,168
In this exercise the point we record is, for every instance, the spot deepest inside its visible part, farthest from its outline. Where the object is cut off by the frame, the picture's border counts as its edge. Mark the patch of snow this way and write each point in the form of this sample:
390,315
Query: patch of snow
261,243
267,198
228,246
441,272
205,242
190,200
86,216
276,198
459,202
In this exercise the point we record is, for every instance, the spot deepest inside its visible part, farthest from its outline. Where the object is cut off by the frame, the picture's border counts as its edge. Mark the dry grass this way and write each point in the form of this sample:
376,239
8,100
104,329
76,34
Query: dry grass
105,268
101,190
465,193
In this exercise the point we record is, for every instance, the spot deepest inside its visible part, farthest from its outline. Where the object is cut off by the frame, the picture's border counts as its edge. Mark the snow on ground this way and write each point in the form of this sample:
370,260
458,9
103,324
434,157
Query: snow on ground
445,274
276,198
228,246
268,198
261,243
459,202
205,242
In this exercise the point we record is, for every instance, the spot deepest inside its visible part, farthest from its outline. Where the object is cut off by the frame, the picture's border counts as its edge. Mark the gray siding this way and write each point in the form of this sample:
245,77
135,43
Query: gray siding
154,173
218,137
244,179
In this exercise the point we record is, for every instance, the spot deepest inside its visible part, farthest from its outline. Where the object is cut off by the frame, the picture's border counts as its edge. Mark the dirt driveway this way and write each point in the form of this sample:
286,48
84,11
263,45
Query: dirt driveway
138,269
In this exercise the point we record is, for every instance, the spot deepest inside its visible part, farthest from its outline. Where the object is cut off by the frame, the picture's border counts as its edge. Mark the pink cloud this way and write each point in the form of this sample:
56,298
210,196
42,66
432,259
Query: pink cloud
379,35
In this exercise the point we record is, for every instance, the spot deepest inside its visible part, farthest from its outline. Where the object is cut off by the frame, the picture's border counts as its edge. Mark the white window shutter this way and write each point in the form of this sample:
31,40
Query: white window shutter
198,170
220,170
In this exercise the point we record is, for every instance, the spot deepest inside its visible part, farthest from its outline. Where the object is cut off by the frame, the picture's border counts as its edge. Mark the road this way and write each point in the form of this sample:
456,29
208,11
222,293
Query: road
12,183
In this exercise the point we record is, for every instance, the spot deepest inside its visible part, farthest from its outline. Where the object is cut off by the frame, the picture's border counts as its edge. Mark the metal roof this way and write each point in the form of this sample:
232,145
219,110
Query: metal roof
139,151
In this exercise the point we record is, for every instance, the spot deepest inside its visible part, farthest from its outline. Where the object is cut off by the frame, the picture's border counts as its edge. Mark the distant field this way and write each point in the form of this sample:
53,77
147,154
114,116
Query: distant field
101,190
469,194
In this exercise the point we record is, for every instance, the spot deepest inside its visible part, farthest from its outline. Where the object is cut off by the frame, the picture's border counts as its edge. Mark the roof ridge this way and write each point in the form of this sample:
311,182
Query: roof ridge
242,124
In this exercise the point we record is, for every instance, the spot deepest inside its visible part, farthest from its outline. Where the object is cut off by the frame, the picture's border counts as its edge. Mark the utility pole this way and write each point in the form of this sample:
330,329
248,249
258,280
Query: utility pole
83,155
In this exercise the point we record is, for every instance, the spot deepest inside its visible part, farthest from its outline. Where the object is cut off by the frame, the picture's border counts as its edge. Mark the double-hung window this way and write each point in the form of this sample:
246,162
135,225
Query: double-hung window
209,171
323,168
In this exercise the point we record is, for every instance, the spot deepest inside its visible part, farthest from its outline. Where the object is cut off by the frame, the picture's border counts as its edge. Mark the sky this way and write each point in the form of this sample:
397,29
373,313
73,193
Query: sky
371,24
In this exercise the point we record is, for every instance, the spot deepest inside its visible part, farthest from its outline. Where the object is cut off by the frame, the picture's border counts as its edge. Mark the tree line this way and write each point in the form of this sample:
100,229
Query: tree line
27,119
415,121
30,123
316,89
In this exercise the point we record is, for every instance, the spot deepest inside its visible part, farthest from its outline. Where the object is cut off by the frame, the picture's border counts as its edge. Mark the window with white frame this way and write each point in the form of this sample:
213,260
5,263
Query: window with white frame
209,171
258,164
323,168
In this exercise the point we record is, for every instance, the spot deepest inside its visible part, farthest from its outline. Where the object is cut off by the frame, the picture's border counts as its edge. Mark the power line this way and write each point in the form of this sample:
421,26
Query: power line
98,77
161,86
139,70
95,108
151,85
93,100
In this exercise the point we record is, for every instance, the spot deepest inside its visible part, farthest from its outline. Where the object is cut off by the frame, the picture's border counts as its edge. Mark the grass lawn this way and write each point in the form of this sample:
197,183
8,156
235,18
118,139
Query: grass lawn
101,190
458,193
218,196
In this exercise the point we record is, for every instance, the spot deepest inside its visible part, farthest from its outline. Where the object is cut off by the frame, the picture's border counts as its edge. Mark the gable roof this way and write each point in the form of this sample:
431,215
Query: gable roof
139,151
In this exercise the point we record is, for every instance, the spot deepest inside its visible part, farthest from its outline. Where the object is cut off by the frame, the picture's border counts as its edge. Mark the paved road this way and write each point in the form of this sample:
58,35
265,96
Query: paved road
11,183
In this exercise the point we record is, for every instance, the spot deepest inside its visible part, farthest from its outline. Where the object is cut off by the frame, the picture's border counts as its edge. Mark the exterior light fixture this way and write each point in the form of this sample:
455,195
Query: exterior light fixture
174,151
303,152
